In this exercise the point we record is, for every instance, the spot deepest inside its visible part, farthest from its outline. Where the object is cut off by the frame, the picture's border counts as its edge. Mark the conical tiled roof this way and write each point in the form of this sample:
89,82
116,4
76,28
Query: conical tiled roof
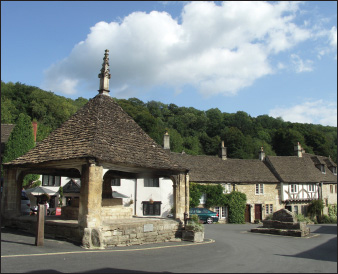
104,131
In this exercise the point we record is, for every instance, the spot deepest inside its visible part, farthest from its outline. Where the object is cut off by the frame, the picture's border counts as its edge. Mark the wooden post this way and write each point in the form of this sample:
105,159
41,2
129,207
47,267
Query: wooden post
40,226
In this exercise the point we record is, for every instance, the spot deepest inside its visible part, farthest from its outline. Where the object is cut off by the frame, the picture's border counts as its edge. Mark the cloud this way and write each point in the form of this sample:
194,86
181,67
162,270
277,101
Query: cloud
218,49
314,112
300,65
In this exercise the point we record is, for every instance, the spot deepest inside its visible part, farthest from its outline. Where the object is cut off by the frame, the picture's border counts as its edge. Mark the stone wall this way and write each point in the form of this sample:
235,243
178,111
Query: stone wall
116,212
140,232
271,195
71,232
330,198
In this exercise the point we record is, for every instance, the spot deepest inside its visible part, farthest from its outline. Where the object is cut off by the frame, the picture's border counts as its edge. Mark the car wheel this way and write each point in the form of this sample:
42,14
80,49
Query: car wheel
210,220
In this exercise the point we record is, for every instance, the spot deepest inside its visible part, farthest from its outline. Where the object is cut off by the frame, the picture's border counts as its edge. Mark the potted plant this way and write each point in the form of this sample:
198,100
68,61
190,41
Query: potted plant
193,231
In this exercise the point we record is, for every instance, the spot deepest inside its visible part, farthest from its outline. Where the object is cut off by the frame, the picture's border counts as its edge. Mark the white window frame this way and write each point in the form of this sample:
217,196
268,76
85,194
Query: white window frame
268,208
293,188
311,187
259,189
203,199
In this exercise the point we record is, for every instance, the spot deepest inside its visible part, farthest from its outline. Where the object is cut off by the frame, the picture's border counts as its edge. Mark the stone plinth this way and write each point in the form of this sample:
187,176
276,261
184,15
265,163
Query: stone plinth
192,236
283,223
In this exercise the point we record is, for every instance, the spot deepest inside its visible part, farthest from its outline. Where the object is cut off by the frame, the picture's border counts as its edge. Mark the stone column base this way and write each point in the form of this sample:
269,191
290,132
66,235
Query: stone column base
92,238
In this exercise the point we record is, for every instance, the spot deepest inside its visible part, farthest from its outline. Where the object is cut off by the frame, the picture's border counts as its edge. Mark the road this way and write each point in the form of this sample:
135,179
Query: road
234,250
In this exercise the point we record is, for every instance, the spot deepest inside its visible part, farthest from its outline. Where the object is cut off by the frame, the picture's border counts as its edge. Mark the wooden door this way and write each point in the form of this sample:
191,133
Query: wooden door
258,212
247,214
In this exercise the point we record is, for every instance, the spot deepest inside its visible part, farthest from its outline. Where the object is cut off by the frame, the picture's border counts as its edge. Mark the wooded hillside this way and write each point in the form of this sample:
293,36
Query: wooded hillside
191,130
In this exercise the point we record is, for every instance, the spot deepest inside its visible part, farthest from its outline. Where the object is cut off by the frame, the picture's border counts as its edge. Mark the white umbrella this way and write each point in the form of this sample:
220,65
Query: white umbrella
116,194
39,190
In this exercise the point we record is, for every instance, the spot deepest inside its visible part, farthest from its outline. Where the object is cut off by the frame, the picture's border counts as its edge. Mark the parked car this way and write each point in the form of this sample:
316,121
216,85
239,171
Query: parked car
204,215
25,204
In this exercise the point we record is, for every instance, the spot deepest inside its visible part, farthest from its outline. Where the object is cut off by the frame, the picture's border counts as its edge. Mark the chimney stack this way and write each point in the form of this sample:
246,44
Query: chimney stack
166,140
35,129
223,152
261,154
298,150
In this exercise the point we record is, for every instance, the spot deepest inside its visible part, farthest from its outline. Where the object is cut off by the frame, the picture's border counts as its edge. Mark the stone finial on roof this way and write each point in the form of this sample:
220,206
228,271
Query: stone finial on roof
105,75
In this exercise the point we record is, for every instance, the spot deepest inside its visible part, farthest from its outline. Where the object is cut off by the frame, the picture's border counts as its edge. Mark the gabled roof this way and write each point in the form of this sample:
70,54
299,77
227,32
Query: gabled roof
294,169
6,130
104,131
214,169
71,187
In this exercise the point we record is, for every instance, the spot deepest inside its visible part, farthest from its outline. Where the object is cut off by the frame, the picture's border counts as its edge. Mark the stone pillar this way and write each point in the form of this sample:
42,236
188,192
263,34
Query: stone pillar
11,193
90,196
181,196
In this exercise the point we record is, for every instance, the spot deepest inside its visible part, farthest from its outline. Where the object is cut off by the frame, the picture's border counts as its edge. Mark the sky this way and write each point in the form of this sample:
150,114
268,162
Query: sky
274,58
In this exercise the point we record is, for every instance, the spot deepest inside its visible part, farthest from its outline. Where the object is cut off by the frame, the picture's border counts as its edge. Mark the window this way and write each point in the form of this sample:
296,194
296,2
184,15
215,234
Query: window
116,182
334,170
227,188
259,189
203,198
50,180
335,188
311,187
294,188
151,182
269,208
331,188
151,209
221,211
295,209
304,210
322,169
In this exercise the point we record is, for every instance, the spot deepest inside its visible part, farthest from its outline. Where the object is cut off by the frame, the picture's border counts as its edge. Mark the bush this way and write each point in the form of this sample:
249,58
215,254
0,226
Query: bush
302,218
315,208
236,203
269,217
194,225
327,220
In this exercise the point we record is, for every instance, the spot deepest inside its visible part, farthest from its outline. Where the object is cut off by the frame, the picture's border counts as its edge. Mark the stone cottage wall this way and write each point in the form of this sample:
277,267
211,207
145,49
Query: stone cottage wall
271,195
329,198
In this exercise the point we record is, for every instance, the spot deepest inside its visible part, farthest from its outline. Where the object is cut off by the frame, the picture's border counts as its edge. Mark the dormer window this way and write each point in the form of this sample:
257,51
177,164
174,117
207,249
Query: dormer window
334,170
322,169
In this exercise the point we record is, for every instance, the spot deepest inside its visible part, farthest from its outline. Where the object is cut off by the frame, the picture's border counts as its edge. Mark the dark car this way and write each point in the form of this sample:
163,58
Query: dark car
204,215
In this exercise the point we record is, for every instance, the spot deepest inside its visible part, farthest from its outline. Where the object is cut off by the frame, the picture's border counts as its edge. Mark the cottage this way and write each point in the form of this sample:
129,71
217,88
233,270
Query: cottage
251,177
97,144
303,178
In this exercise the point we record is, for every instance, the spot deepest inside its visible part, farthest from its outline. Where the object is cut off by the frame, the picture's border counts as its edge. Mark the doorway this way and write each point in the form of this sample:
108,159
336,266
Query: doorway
247,214
258,212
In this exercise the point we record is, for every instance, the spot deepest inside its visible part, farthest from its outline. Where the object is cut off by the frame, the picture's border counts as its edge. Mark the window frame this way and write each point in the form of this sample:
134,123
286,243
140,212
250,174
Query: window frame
151,182
259,189
293,188
311,187
151,208
51,180
115,182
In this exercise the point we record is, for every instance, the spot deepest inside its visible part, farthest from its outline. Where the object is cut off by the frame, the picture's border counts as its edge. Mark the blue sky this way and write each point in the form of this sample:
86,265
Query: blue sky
275,58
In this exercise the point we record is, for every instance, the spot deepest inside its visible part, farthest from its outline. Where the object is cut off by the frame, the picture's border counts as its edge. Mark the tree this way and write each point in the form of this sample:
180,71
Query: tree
20,141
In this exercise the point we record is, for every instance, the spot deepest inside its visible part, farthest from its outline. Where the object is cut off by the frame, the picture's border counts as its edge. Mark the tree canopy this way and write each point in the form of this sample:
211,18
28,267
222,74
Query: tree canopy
194,131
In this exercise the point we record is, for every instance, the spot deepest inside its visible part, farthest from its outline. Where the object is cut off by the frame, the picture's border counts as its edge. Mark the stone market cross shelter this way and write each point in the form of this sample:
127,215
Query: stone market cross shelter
101,139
